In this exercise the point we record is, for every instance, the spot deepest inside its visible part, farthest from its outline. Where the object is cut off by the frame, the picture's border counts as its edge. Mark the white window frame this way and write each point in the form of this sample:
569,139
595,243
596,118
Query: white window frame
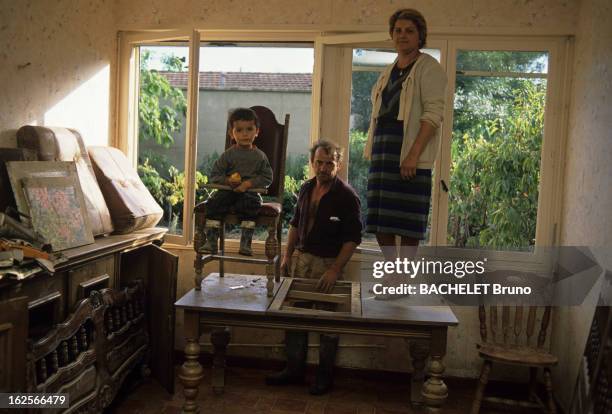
553,142
126,136
559,50
553,150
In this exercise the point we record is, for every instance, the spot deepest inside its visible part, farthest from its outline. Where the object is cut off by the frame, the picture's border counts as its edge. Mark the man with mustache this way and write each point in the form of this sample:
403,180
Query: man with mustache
324,232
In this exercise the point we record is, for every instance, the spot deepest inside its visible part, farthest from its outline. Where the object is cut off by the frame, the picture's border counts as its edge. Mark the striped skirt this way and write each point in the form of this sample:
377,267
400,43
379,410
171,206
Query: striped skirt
395,206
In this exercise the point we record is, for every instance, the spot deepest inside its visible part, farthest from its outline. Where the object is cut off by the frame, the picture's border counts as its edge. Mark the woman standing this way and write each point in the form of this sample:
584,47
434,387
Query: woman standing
404,137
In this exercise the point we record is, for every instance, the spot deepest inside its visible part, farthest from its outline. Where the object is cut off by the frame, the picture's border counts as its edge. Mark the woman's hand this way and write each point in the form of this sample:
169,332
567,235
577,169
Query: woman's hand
409,166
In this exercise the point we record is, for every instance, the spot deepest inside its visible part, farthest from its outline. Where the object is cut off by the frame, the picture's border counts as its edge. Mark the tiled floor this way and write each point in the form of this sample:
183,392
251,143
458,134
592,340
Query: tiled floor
246,393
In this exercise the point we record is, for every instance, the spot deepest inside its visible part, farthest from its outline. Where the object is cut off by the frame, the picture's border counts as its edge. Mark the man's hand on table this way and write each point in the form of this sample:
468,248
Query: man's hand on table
328,280
285,267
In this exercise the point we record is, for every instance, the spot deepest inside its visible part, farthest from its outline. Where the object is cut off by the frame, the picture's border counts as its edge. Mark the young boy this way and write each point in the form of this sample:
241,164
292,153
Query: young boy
242,166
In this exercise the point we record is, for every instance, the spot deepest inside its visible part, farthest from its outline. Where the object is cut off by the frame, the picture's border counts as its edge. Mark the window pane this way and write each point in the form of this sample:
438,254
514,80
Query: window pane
162,106
367,66
278,76
498,125
502,61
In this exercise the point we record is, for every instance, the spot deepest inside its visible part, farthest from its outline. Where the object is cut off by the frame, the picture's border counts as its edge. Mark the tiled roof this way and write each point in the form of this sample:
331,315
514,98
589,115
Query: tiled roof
245,81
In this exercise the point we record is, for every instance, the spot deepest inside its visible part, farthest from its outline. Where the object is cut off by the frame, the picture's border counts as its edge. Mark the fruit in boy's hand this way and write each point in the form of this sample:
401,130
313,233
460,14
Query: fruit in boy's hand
235,178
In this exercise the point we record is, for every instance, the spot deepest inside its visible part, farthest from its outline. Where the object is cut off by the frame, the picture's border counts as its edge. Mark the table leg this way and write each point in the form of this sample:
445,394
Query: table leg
435,391
419,351
271,251
220,338
191,371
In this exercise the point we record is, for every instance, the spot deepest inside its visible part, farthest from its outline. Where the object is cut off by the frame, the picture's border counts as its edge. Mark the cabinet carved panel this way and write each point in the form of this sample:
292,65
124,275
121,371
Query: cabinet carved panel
82,329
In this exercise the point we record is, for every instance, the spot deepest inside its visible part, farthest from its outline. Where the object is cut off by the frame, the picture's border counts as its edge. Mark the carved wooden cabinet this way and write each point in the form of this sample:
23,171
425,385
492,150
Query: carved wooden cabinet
82,329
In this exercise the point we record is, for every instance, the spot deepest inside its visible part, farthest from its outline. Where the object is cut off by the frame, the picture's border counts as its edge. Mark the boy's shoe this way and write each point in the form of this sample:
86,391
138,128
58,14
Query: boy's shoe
212,237
248,227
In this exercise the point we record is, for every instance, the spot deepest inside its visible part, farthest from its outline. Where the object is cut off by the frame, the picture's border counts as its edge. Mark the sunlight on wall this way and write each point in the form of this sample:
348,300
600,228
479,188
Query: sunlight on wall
85,109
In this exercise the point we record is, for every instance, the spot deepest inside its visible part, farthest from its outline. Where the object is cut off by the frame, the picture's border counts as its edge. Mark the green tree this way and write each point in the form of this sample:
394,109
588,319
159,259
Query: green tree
361,104
160,105
495,175
358,168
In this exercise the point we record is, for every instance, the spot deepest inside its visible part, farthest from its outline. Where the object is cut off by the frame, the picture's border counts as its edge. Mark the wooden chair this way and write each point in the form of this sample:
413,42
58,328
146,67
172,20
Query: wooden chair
509,344
272,140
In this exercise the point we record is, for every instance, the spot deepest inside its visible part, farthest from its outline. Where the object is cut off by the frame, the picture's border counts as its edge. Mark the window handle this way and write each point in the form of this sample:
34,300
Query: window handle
444,186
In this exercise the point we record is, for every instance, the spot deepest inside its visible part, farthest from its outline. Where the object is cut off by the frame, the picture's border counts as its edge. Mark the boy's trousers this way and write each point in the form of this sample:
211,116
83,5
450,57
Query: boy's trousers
245,205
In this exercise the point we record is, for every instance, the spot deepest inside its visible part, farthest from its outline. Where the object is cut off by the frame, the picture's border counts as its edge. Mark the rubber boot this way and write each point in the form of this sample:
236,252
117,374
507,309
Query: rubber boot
296,347
212,237
248,227
325,371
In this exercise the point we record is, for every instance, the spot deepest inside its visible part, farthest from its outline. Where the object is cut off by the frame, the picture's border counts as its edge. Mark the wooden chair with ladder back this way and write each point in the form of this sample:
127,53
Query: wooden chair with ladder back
514,343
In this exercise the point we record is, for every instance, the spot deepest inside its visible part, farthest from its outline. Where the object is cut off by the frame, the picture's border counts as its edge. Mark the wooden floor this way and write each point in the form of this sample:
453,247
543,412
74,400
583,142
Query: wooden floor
246,393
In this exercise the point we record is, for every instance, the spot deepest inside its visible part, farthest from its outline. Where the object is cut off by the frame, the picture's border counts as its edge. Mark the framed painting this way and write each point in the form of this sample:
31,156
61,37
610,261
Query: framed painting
57,211
18,170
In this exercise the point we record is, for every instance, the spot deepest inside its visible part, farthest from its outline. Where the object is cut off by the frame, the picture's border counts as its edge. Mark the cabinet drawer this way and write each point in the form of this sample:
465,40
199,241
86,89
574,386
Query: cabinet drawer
96,275
46,300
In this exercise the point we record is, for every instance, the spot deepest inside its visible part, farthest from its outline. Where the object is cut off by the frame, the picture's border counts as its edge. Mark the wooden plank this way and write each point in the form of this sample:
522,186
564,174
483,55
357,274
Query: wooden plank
299,284
237,259
311,311
356,299
321,297
281,294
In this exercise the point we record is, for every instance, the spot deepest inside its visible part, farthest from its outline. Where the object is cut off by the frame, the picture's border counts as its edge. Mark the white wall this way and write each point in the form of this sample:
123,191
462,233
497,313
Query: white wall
55,66
587,203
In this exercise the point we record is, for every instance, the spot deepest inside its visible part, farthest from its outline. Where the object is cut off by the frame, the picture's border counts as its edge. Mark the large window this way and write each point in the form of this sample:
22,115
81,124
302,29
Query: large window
496,183
497,180
174,150
498,126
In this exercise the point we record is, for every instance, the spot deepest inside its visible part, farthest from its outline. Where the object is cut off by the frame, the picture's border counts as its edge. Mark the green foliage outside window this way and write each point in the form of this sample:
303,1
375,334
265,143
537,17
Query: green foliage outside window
495,176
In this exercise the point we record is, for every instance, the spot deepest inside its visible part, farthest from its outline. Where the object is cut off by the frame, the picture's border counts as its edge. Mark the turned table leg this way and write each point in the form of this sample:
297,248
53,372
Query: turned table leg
220,338
435,391
419,351
191,371
271,251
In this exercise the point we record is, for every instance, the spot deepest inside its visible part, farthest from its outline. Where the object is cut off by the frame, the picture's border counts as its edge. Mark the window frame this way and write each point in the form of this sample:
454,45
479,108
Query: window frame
555,125
559,47
126,136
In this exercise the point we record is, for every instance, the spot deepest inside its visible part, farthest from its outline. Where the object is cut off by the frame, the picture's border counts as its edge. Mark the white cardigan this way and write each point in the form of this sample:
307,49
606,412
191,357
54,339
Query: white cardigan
421,99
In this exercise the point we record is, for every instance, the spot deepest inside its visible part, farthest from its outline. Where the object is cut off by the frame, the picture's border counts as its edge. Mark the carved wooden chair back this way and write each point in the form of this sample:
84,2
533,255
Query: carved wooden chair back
508,336
514,326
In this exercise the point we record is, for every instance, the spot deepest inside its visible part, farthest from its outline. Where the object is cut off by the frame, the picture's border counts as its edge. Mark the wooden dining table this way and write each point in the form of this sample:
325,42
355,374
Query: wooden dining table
242,301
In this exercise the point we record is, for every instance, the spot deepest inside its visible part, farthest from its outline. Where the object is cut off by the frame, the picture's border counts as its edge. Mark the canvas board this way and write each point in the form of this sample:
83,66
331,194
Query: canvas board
18,170
57,211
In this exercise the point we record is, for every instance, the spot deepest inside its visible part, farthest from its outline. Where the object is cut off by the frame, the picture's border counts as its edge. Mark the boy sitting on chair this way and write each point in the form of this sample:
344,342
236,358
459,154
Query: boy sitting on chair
242,166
